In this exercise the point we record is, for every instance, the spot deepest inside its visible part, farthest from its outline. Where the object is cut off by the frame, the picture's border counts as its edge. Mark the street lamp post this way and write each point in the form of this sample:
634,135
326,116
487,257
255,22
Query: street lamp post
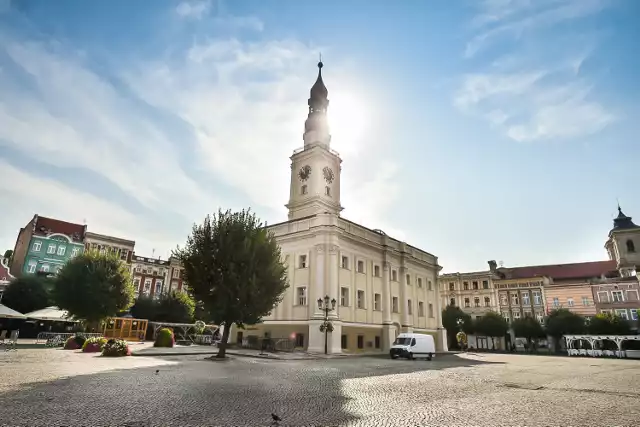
326,306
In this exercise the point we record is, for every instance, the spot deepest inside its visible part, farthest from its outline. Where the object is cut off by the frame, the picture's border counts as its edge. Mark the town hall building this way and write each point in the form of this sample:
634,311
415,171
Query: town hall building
381,286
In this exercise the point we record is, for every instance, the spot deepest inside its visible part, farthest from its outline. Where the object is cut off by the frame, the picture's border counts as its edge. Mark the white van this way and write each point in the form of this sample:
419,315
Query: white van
413,346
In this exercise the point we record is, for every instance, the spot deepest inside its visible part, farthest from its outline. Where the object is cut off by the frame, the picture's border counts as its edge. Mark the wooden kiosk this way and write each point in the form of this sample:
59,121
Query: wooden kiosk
125,328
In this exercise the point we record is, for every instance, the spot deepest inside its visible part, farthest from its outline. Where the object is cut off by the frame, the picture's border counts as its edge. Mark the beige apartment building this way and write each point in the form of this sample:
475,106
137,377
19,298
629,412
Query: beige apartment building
473,292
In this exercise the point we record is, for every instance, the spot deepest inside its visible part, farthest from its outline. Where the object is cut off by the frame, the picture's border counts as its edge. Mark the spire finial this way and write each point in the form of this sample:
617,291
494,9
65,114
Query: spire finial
320,64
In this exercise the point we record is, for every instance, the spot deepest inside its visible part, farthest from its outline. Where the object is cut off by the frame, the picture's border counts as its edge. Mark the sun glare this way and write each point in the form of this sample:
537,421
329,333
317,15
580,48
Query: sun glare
347,118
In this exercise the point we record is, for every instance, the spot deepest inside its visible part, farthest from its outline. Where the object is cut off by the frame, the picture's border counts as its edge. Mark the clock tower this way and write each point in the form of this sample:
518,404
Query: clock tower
315,168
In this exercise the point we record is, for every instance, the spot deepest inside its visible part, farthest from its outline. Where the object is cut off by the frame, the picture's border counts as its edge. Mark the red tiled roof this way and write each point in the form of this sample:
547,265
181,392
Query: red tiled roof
57,226
581,270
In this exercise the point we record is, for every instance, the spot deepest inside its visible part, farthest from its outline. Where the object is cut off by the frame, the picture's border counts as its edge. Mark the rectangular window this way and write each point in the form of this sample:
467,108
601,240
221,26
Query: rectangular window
377,304
394,275
147,286
465,286
570,302
345,262
360,266
634,313
158,289
516,314
515,300
420,309
51,249
344,297
419,282
556,302
303,189
136,284
32,266
622,313
377,342
429,285
466,302
74,252
430,310
408,277
525,298
394,304
537,298
632,295
476,302
617,296
376,271
585,301
360,341
343,342
302,295
452,286
540,317
487,302
360,300
62,250
503,299
302,261
327,191
124,254
299,340
409,307
36,246
603,296
485,284
44,268
175,273
475,285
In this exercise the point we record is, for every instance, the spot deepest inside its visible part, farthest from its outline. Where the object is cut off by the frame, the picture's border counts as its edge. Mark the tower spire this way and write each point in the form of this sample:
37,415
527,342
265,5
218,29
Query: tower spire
316,128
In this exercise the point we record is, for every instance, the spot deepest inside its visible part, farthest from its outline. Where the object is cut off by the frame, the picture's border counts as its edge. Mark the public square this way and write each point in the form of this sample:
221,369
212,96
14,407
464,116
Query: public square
63,388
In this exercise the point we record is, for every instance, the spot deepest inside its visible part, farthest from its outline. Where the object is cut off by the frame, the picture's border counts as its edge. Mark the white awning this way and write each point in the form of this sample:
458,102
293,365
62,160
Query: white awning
50,313
8,313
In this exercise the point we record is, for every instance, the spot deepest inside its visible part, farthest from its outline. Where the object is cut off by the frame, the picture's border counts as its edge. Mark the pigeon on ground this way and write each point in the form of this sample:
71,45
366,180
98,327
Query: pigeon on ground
276,418
157,371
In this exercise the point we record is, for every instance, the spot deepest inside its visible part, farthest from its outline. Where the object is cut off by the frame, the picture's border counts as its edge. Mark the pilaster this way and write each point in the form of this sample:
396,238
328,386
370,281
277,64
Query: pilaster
404,311
386,294
333,289
320,290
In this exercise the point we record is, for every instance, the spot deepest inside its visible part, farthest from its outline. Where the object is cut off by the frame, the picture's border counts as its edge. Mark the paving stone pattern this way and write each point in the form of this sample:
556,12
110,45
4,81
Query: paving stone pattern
61,388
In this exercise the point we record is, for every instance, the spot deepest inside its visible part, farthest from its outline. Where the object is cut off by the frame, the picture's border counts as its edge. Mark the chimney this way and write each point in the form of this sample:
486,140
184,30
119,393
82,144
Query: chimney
492,266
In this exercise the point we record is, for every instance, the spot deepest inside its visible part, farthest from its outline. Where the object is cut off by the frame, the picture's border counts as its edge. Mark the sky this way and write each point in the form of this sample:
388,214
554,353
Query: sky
474,130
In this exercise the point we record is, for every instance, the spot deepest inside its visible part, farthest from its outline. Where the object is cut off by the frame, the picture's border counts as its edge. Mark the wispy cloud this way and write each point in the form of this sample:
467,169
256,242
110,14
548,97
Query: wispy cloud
193,9
538,91
180,134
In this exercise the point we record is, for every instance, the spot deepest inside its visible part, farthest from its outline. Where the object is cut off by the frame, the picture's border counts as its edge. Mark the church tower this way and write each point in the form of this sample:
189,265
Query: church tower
623,244
315,168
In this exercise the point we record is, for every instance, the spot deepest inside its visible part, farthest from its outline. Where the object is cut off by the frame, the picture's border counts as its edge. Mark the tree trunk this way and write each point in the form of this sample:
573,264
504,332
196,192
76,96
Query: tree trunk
222,353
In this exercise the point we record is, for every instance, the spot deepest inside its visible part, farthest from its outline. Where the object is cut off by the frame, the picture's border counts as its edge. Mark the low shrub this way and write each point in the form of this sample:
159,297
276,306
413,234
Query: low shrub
165,338
94,345
116,348
74,343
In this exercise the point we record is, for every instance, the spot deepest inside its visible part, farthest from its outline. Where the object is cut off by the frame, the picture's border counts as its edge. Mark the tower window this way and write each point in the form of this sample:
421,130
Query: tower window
630,246
327,191
303,189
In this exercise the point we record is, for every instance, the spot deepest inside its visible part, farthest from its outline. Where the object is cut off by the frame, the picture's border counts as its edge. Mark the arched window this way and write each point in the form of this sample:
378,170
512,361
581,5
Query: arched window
452,301
630,246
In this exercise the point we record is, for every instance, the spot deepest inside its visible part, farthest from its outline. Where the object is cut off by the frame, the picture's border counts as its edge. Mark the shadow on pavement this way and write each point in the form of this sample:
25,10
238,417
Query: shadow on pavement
197,392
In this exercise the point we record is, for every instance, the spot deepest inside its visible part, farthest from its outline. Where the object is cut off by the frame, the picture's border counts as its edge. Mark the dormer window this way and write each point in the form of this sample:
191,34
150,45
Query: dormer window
327,191
303,189
630,246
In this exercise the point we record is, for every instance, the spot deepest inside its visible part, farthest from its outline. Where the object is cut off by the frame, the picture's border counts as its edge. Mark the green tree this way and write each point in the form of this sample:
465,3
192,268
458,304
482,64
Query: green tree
28,293
94,286
608,324
562,322
491,325
232,264
529,328
176,307
455,320
8,254
145,307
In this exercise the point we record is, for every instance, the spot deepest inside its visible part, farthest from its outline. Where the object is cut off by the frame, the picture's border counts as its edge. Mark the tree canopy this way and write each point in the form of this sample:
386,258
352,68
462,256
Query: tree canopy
93,286
608,324
176,307
232,265
28,293
455,320
8,254
564,322
528,327
491,325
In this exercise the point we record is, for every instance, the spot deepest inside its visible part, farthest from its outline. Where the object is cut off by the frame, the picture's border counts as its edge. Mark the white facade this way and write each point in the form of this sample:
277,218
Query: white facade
382,286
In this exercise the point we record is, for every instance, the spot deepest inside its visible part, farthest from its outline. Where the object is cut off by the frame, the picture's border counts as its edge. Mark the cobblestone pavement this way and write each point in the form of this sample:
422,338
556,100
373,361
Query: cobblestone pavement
58,388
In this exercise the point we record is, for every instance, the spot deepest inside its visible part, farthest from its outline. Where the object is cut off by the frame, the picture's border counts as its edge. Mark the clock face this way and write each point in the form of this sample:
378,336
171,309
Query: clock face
328,174
304,173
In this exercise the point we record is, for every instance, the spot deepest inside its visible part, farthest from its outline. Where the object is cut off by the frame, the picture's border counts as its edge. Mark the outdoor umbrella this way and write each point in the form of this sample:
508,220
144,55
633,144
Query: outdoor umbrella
50,313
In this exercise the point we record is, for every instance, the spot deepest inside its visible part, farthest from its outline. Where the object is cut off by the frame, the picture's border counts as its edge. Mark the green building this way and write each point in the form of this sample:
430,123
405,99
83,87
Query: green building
45,245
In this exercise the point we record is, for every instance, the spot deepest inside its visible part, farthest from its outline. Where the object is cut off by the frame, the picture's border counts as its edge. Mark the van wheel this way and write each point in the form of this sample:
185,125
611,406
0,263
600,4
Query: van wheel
410,356
394,357
429,357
